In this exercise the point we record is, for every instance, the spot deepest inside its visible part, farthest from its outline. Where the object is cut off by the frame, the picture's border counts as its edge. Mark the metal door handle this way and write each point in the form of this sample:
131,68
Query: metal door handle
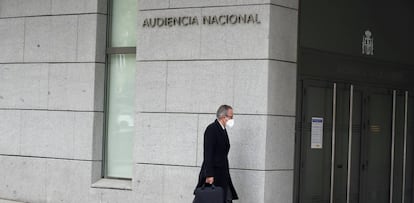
405,145
364,165
333,142
351,105
394,100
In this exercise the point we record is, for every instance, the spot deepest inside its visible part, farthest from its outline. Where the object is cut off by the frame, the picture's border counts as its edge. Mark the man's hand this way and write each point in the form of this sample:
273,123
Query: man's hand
210,180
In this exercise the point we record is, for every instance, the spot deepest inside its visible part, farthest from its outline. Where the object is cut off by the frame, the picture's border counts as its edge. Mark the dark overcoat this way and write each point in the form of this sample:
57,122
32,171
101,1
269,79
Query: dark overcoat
216,163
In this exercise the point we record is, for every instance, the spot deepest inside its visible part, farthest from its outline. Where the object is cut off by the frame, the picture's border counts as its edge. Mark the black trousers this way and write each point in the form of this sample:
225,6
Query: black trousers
229,198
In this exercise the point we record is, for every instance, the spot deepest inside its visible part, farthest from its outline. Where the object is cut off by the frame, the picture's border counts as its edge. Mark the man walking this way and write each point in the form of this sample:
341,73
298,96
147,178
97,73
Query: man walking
215,167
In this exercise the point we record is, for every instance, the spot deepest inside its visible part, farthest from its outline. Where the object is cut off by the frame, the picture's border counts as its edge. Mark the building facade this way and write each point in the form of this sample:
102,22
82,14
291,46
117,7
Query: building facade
108,100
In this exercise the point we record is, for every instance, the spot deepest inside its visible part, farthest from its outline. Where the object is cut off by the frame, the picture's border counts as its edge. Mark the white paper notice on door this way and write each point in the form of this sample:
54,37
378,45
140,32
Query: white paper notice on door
317,133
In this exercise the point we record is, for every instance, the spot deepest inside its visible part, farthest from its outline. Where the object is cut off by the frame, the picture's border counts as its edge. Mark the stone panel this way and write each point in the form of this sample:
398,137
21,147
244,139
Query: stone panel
23,86
166,139
99,87
207,3
45,132
41,180
110,183
283,33
238,41
68,38
51,39
151,86
88,136
118,196
146,179
166,184
63,38
9,201
24,180
100,48
249,185
78,6
254,137
95,195
91,42
199,86
16,8
68,181
250,87
282,88
205,41
280,143
203,121
162,4
168,42
278,186
294,4
10,132
20,8
103,6
53,86
76,87
153,4
97,172
12,35
33,138
247,140
153,184
254,87
38,39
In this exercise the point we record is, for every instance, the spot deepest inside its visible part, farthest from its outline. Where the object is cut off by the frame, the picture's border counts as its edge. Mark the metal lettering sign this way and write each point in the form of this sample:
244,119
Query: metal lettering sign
368,43
184,21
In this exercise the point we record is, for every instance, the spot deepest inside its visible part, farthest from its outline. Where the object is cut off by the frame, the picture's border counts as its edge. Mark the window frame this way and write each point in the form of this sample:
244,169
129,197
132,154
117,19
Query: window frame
108,52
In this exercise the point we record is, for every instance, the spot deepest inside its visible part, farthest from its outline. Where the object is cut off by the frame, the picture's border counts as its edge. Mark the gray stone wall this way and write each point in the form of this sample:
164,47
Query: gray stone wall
51,99
52,67
185,73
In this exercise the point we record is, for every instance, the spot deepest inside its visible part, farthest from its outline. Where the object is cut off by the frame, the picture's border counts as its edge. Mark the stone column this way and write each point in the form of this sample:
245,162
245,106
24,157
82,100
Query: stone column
185,72
52,67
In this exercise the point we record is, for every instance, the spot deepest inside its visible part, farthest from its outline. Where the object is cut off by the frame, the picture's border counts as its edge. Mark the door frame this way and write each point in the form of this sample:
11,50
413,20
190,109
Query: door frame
366,92
333,67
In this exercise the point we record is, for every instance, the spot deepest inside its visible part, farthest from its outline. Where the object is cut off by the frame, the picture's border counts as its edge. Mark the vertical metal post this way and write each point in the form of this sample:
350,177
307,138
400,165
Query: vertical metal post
351,106
405,146
333,143
394,98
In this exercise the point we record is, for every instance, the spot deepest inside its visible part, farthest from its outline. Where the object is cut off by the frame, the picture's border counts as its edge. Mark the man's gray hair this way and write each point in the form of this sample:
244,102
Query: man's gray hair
222,110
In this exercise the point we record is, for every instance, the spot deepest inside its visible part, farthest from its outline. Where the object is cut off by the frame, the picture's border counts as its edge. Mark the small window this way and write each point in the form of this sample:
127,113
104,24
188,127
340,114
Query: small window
120,88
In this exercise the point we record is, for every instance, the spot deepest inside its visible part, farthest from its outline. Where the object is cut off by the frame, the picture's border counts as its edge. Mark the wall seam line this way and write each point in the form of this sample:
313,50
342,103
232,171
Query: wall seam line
28,63
198,60
24,37
204,113
45,157
49,110
51,15
220,6
192,166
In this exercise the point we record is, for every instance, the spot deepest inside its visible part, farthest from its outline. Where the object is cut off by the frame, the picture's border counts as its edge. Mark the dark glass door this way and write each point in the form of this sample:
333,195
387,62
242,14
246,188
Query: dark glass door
377,146
362,152
316,162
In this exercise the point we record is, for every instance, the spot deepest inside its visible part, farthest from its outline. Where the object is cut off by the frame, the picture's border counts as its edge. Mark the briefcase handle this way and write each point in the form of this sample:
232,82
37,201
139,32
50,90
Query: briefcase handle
212,186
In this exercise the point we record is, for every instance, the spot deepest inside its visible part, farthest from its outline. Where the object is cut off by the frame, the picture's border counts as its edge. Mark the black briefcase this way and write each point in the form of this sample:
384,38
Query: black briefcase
208,194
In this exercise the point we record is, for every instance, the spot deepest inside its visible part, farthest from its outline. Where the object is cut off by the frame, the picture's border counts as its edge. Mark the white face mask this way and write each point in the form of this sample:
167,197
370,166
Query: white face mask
230,123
